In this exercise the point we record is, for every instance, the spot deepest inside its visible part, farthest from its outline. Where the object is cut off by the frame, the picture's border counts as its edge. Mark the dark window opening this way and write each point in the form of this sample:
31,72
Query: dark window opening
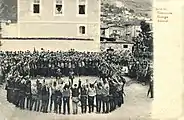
82,30
103,32
36,8
125,46
81,9
59,9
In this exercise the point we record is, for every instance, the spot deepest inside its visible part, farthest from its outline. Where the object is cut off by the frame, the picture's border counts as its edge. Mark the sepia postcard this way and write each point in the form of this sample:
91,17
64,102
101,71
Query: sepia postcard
91,59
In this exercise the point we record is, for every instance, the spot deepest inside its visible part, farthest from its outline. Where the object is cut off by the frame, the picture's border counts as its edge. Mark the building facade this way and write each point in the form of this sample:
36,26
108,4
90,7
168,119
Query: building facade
122,46
124,32
56,19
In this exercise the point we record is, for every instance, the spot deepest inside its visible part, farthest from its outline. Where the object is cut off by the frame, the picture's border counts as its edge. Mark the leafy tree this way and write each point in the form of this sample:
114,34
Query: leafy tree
147,35
144,42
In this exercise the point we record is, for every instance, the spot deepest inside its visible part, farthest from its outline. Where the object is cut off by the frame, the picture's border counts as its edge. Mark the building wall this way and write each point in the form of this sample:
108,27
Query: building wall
57,30
10,30
54,45
116,46
46,24
47,11
106,30
107,34
121,30
134,30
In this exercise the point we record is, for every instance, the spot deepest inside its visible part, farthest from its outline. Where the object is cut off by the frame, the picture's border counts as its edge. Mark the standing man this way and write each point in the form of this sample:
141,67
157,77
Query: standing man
34,98
75,98
150,90
91,97
39,93
16,91
44,92
83,98
22,94
105,94
99,97
8,89
58,94
28,93
66,98
1,74
71,76
52,92
58,74
112,90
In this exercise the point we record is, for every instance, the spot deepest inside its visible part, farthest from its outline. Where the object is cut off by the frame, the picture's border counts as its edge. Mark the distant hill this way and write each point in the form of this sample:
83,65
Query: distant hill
8,10
139,6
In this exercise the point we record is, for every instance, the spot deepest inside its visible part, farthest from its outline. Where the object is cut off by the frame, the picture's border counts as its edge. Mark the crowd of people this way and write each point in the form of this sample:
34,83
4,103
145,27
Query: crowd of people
105,94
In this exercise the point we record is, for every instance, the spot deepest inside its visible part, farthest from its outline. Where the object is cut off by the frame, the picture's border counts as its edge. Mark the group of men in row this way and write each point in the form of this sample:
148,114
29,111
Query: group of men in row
104,94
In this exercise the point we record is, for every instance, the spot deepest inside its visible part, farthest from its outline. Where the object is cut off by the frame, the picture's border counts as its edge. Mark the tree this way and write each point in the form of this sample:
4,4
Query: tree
147,35
144,42
2,9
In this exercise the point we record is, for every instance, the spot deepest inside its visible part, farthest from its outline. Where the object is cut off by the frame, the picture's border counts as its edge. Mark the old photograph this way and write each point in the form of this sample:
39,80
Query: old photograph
76,59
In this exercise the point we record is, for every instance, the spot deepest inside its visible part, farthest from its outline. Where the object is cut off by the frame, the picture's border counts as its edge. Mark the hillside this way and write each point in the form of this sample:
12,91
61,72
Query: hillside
121,11
8,10
139,6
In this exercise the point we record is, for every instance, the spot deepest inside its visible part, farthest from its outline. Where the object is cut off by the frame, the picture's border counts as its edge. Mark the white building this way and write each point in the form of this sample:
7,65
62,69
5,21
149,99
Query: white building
128,30
54,25
124,46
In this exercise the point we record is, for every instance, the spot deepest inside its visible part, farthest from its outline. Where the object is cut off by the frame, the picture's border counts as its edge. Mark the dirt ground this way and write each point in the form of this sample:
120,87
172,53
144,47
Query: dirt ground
137,107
